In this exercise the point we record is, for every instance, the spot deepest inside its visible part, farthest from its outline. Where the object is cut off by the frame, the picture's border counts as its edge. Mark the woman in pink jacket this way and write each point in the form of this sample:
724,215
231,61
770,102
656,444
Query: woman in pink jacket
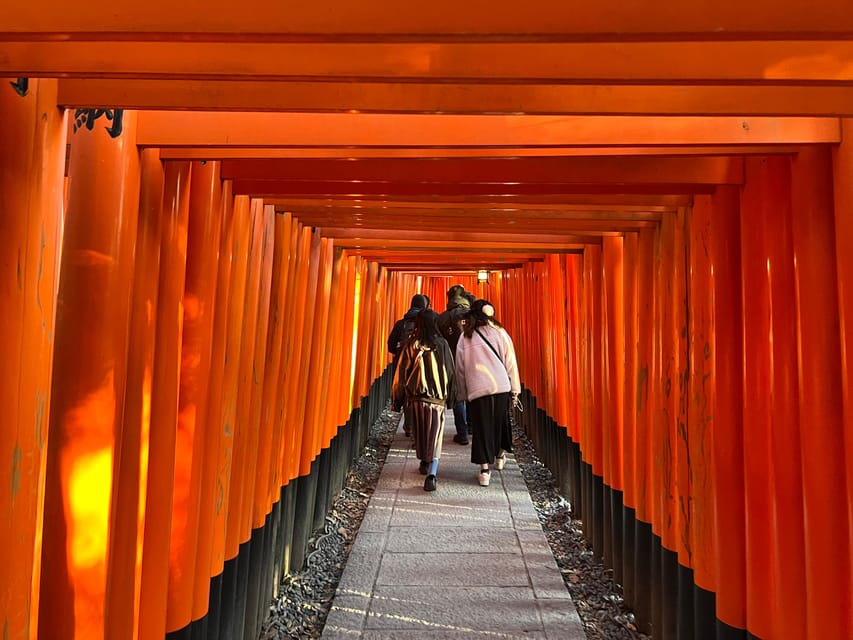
487,378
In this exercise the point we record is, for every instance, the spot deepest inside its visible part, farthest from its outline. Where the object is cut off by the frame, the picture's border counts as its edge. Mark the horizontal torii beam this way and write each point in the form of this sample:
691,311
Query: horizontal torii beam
440,19
340,130
245,153
533,202
670,62
460,97
597,170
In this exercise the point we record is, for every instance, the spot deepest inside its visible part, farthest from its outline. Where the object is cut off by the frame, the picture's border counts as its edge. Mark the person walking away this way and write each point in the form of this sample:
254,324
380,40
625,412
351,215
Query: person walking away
487,377
401,333
424,387
450,324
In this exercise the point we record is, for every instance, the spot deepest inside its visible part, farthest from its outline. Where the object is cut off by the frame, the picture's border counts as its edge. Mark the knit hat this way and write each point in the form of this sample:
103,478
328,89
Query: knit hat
419,301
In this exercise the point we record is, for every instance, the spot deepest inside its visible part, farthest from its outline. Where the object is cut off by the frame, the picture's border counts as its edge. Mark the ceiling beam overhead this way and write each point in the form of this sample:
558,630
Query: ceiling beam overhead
459,97
515,249
665,62
510,227
197,129
223,20
598,170
275,188
493,211
535,202
255,153
343,236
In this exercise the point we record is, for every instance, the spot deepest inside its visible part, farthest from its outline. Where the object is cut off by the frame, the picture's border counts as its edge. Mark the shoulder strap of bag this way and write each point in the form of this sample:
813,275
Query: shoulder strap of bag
495,351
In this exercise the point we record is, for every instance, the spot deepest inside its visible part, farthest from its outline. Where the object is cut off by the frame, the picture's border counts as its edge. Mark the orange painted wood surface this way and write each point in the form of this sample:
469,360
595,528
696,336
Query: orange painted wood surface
155,597
701,390
32,158
168,128
212,494
827,535
756,61
87,394
842,170
239,243
728,453
613,253
193,430
711,21
129,496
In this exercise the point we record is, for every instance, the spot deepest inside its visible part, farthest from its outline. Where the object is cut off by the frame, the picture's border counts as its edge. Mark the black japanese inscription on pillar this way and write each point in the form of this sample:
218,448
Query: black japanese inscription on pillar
86,118
21,86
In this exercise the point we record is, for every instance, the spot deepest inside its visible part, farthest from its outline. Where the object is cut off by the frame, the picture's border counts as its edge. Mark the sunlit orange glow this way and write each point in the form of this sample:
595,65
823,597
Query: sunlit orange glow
90,482
88,467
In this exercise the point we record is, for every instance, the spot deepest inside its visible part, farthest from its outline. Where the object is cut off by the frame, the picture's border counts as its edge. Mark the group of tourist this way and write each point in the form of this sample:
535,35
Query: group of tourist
461,359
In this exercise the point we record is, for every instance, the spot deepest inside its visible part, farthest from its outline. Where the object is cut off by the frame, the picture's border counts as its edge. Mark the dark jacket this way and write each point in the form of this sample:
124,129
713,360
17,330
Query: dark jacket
401,331
450,320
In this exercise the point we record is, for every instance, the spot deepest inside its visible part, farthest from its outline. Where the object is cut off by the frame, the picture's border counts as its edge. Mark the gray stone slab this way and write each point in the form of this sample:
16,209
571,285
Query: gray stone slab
433,511
362,567
561,620
391,477
452,540
453,608
447,634
534,542
347,616
378,515
453,569
462,562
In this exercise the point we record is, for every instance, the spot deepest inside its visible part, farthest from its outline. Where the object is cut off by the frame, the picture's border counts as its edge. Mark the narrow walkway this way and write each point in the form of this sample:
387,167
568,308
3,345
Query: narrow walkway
464,561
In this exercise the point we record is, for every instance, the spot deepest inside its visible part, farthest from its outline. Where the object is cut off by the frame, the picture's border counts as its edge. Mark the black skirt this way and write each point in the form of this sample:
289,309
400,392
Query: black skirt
488,418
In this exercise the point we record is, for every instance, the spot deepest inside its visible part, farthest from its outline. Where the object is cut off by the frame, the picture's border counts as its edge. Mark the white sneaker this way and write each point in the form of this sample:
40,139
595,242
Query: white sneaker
484,478
500,461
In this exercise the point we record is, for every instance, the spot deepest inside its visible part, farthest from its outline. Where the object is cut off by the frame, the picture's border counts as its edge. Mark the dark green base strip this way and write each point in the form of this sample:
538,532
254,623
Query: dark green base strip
182,634
667,603
306,492
704,614
242,590
642,603
617,538
685,618
288,514
241,594
607,527
227,610
725,632
629,542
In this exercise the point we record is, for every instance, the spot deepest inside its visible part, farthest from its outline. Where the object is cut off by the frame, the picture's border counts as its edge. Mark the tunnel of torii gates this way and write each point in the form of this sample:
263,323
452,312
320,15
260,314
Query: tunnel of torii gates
211,214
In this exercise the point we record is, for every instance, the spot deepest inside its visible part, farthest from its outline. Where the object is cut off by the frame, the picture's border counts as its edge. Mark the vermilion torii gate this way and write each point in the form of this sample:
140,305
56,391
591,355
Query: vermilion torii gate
662,194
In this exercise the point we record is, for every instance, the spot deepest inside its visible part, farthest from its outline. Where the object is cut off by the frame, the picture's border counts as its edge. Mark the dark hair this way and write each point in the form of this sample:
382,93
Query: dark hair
455,290
426,328
419,301
481,313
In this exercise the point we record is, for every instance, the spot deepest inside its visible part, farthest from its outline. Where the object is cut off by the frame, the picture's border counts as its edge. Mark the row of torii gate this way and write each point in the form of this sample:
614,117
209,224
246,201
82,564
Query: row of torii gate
674,179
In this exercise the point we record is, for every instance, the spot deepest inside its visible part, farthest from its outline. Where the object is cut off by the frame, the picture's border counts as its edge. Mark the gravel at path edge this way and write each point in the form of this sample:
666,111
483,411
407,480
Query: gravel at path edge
305,597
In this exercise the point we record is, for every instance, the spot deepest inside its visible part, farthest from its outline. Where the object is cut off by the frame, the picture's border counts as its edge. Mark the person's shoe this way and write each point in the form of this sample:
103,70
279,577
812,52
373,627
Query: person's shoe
423,468
429,483
484,478
460,439
500,461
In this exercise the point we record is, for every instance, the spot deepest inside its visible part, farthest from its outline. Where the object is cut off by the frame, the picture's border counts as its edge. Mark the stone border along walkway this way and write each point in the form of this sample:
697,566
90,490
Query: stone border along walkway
305,597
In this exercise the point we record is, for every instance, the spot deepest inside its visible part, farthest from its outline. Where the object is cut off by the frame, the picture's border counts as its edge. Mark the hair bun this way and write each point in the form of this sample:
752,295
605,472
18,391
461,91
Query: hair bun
488,311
